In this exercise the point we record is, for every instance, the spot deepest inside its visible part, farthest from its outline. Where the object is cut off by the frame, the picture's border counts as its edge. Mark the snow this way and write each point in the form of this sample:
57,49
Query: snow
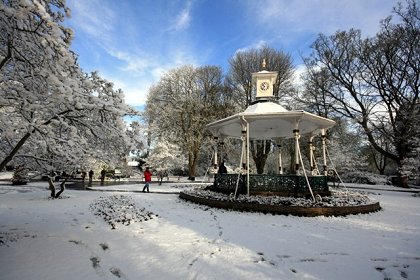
337,198
159,236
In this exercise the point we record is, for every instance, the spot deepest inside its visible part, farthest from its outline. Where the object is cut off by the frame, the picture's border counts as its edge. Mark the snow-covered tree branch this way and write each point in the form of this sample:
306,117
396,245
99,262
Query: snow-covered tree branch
184,101
53,115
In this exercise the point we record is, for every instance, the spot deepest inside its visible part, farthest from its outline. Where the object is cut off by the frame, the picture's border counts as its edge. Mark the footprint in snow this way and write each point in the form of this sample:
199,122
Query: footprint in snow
95,262
104,246
117,272
283,256
77,242
379,259
96,265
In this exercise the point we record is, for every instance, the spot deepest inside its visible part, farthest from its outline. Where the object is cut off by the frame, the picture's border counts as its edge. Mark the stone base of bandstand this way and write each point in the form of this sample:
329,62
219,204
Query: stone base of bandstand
307,211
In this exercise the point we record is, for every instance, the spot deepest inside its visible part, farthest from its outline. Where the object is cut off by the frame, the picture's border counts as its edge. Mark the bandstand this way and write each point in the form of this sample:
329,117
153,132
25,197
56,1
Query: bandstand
267,120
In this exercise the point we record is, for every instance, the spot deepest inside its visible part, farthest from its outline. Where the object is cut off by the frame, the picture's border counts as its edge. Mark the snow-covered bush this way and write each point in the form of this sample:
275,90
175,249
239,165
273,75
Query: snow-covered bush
119,209
360,177
20,175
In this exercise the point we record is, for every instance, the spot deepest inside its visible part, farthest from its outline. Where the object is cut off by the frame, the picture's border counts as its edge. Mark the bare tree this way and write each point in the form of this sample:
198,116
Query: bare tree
242,65
315,97
374,81
184,101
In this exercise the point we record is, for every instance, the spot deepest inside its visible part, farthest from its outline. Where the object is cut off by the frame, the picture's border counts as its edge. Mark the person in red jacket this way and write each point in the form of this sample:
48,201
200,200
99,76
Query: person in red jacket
147,179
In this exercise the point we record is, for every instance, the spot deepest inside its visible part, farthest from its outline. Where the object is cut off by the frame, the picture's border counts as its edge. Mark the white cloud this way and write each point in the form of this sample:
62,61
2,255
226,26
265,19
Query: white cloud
139,73
182,21
297,75
135,91
256,45
126,57
133,63
93,17
136,94
326,16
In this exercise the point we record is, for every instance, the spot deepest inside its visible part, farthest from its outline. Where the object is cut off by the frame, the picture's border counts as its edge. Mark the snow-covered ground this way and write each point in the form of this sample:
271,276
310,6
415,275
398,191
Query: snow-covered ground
159,236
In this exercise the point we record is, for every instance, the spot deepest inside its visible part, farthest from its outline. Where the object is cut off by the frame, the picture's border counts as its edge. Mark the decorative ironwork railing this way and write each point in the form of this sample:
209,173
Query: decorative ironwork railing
277,184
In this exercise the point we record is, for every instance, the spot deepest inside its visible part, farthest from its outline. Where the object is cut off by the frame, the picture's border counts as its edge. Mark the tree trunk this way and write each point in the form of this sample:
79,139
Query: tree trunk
62,188
192,165
400,181
9,54
260,150
379,160
10,156
52,188
22,141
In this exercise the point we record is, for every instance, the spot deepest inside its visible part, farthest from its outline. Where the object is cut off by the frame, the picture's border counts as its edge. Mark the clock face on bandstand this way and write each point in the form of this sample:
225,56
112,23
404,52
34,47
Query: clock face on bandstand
264,86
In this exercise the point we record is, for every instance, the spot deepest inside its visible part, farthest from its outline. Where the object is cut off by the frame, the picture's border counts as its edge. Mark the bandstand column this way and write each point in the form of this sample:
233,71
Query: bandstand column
280,163
221,150
311,153
215,164
324,151
242,163
247,158
297,136
245,124
244,148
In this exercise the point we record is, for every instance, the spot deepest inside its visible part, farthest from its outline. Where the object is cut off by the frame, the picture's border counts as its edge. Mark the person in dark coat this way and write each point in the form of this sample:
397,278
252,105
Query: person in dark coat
90,176
222,168
83,175
103,173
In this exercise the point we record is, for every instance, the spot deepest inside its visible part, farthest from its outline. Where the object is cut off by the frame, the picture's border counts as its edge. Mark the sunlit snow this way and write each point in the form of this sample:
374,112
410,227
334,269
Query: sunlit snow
159,236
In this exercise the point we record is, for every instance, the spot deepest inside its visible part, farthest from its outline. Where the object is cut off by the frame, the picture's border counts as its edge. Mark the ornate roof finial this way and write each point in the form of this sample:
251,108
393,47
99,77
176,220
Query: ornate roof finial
264,65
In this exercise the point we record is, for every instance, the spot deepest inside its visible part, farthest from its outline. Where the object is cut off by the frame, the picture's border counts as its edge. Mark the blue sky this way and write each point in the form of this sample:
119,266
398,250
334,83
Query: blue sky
133,42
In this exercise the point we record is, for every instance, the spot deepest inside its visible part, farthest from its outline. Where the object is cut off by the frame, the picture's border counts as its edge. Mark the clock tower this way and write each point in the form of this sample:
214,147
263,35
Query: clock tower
264,81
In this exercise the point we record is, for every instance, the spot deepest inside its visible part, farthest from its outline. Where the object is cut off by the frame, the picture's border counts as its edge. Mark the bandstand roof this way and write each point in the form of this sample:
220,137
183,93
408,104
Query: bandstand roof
269,120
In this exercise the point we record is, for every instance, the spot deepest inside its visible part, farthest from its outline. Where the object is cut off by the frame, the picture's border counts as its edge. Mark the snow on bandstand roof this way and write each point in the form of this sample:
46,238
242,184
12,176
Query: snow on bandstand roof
269,120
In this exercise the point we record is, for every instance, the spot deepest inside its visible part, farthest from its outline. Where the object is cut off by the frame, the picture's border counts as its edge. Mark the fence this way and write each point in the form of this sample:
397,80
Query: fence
284,185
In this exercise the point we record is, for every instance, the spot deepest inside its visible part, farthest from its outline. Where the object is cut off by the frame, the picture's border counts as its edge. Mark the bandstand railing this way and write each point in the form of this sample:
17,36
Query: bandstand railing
276,184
